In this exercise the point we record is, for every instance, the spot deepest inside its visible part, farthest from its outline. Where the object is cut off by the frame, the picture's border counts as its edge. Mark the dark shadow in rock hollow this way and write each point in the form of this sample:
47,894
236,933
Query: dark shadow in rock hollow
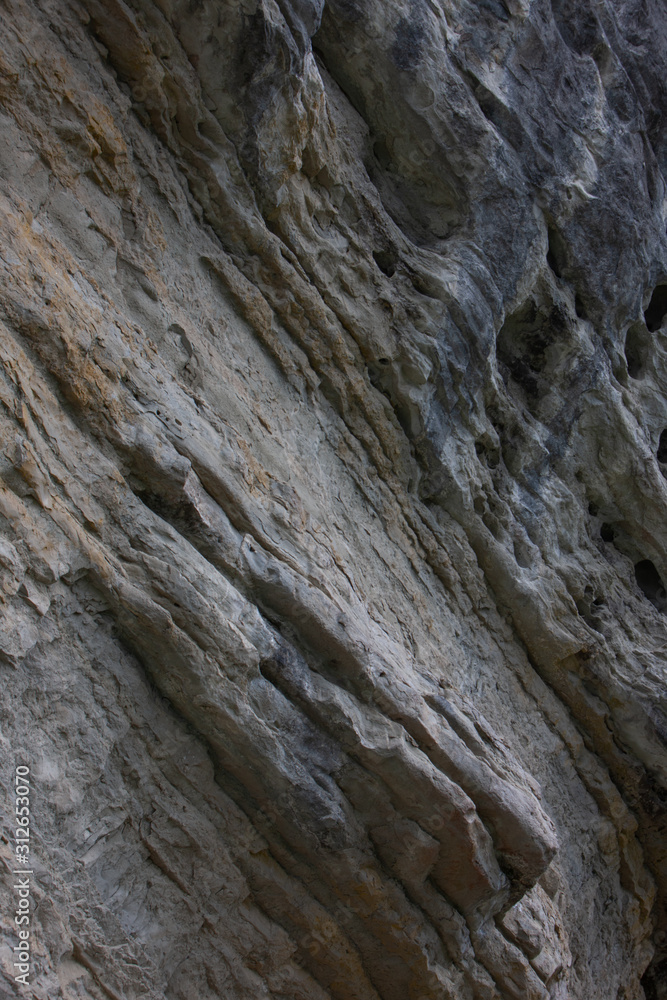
637,350
524,350
657,308
662,448
651,585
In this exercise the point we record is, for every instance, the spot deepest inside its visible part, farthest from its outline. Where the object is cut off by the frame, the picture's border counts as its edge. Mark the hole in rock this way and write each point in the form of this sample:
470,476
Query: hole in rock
657,308
662,448
651,585
586,610
607,533
637,350
524,347
556,253
580,307
386,260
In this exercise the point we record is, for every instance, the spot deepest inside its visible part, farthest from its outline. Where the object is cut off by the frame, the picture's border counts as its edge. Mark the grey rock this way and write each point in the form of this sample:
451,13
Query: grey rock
332,497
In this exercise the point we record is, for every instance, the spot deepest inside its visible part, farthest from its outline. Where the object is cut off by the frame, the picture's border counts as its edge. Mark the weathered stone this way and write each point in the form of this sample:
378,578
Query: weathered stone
333,484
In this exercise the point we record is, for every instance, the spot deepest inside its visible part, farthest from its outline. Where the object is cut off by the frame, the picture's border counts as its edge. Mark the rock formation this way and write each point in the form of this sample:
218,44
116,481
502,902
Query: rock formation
333,490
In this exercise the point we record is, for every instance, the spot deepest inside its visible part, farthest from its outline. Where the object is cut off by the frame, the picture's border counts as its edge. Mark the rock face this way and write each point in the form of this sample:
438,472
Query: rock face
333,489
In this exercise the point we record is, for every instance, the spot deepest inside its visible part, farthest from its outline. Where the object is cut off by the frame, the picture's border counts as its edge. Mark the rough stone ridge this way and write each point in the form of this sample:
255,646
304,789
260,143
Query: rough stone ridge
333,482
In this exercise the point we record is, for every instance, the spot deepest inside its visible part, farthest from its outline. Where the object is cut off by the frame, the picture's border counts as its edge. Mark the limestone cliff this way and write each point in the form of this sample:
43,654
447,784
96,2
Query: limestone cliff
333,481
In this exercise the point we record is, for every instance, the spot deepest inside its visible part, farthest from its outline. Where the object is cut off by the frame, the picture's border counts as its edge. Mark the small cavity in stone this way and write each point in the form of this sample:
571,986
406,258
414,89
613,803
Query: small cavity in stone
523,348
556,253
657,308
580,307
662,448
386,260
651,585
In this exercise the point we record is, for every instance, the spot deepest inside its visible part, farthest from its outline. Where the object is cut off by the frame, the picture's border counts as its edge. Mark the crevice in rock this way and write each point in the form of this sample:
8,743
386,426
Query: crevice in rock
637,350
556,252
651,585
657,309
661,454
580,307
506,121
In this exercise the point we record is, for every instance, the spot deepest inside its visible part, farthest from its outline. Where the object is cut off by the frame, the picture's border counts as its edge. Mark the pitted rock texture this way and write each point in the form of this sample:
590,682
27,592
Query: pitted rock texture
333,490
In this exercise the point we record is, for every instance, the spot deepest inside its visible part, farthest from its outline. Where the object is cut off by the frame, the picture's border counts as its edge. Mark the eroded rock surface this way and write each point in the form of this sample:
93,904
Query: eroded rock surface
333,493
